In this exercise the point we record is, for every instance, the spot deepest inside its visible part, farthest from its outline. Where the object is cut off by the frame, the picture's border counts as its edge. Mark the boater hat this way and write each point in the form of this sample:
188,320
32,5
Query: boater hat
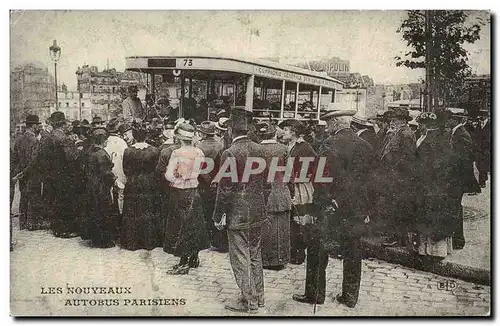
337,113
361,121
184,131
222,124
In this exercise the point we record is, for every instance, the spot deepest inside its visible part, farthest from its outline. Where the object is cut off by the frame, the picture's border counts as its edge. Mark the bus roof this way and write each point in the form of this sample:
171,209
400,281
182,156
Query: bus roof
258,67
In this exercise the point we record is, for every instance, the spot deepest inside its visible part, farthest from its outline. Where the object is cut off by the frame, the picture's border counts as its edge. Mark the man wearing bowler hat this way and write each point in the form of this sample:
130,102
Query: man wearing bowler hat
463,146
241,203
342,207
25,152
212,149
132,105
57,160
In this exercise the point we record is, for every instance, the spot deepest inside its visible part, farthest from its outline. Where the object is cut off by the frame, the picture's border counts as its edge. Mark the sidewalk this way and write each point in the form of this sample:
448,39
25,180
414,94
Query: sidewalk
472,263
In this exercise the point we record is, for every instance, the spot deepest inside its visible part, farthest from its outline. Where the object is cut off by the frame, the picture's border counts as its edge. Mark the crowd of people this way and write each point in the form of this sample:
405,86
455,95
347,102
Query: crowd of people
133,182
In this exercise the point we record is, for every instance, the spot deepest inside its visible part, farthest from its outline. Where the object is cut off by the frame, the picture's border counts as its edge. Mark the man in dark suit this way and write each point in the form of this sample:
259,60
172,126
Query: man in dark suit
56,163
241,198
25,152
462,144
397,159
211,148
365,130
342,207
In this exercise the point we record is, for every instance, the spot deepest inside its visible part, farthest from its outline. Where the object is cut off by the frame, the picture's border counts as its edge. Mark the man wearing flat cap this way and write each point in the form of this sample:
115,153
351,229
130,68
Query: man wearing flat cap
242,204
397,159
25,152
342,207
212,149
132,105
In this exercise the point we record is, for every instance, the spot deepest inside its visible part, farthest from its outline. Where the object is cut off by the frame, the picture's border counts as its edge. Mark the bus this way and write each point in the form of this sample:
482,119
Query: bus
198,86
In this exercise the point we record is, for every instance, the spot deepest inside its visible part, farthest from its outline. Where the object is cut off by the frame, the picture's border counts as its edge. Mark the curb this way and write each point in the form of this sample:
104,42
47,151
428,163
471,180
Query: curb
404,257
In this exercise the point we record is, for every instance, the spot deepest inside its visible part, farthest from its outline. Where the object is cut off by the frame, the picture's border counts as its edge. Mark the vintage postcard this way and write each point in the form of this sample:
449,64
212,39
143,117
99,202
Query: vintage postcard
250,163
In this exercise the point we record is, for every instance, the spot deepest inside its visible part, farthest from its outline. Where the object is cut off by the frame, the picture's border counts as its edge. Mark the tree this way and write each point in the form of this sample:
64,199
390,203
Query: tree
448,59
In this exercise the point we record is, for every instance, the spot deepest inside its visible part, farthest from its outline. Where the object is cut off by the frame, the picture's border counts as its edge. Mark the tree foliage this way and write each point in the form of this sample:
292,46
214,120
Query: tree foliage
448,56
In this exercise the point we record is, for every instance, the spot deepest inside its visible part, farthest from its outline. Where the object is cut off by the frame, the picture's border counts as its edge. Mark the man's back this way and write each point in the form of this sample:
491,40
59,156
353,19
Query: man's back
242,200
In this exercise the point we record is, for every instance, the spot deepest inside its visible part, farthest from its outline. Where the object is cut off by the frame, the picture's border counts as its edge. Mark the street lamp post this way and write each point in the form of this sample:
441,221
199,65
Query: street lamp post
79,74
55,54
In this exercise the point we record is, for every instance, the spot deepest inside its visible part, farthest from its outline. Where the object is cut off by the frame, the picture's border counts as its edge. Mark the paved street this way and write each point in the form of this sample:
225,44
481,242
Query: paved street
40,260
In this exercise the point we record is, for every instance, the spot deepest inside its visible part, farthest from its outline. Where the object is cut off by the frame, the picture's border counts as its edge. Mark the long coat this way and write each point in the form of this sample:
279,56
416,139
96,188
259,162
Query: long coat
212,149
436,186
25,152
395,177
100,179
276,232
243,202
141,221
56,163
462,144
349,161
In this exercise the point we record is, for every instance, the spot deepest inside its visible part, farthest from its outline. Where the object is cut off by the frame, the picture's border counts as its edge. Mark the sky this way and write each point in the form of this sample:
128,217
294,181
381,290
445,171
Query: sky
368,39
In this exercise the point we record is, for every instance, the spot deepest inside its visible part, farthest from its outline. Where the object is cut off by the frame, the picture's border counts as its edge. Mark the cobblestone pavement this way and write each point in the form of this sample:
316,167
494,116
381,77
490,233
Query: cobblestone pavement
40,260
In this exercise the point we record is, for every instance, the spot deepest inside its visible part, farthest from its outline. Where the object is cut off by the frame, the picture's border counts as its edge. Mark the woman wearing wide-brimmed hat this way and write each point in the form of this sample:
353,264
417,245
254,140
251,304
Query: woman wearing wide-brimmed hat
185,232
141,220
436,189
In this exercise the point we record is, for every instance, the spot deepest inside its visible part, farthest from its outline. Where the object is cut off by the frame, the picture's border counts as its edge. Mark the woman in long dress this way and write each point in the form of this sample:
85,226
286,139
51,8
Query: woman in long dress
434,166
100,179
185,231
276,231
141,222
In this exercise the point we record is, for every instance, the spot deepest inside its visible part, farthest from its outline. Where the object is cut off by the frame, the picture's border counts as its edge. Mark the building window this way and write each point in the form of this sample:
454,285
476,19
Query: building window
83,104
67,104
59,104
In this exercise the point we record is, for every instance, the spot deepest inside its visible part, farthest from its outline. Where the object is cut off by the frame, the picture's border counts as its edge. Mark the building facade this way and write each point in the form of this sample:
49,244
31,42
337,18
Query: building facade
32,91
106,89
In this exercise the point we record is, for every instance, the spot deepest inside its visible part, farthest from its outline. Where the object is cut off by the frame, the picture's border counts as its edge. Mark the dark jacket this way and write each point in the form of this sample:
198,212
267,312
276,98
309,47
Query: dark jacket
211,148
349,161
462,144
243,202
277,193
398,151
370,136
25,151
436,188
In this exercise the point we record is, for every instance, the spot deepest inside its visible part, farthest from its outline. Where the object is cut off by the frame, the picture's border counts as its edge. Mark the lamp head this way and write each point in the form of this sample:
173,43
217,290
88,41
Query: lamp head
55,51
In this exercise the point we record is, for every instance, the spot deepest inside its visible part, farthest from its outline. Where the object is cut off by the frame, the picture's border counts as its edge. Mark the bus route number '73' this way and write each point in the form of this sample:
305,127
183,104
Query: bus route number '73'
188,62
